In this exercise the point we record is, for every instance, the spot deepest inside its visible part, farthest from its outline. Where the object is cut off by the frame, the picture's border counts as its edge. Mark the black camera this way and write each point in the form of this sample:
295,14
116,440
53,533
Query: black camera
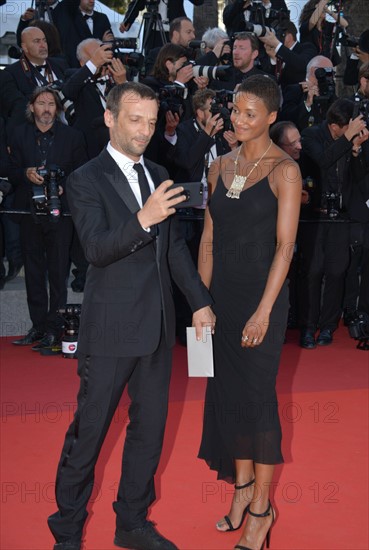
326,85
196,44
134,60
70,314
258,30
68,106
361,108
359,329
349,41
216,72
332,202
127,43
219,104
46,196
171,99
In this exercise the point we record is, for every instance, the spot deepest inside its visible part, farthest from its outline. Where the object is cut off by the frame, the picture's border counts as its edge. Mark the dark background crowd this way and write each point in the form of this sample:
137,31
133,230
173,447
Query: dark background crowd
52,101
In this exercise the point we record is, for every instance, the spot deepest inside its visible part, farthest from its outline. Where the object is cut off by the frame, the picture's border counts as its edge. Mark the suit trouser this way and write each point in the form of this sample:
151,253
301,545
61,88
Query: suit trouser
45,251
103,380
324,257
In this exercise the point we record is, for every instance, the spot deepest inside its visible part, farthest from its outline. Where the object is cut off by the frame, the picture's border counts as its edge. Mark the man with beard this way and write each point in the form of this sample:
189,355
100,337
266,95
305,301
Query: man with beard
44,143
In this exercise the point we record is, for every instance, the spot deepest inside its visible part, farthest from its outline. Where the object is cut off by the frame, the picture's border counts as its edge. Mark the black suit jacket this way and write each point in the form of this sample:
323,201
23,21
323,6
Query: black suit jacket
189,152
233,15
175,9
88,108
296,60
128,292
68,151
73,29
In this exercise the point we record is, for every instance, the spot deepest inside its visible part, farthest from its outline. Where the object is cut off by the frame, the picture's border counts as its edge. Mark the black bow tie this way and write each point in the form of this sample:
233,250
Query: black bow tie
41,67
86,16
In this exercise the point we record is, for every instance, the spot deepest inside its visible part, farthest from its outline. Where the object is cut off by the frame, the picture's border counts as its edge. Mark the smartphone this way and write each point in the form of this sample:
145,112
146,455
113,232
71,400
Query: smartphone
193,192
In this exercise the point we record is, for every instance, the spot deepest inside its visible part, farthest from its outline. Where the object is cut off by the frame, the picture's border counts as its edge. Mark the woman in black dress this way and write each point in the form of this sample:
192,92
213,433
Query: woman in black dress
245,252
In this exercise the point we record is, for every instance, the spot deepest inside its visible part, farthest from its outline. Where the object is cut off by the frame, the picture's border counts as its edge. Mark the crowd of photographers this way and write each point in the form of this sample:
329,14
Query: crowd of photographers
52,102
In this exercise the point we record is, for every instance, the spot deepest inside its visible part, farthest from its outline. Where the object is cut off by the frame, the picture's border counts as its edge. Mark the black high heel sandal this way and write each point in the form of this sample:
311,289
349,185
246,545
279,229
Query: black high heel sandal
263,515
228,521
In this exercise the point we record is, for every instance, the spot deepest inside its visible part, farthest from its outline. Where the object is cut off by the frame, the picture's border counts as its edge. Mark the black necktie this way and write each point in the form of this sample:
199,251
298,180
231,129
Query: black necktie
143,183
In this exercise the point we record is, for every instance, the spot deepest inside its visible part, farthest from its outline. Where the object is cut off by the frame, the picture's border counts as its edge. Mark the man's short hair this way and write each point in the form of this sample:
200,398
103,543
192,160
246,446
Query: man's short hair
288,27
200,97
35,94
113,101
278,130
80,53
340,112
263,87
176,24
169,52
250,37
212,36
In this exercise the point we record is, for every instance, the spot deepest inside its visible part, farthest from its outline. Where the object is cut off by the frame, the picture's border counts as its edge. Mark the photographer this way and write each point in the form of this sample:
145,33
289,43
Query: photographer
238,13
288,58
333,150
181,32
88,88
44,146
317,25
166,10
217,49
34,68
307,103
244,53
360,55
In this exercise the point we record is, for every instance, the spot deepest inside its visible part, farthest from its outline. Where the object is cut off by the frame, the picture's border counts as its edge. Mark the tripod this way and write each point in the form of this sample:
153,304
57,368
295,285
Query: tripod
154,34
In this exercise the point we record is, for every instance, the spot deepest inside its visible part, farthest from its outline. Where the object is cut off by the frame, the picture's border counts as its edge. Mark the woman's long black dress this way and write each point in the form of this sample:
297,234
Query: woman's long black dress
241,411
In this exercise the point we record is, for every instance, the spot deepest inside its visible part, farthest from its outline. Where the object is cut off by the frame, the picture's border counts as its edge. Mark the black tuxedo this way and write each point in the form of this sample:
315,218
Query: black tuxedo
294,109
88,107
127,330
18,85
73,28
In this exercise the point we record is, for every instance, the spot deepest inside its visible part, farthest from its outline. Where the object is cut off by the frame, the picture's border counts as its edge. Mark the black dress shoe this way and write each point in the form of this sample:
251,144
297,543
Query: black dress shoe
30,338
13,271
307,339
325,337
48,341
143,538
67,545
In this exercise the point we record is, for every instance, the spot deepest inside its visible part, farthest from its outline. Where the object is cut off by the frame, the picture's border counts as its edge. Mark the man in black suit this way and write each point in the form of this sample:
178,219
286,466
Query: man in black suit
122,207
77,21
88,88
302,103
244,53
165,12
238,13
44,142
33,69
288,58
332,149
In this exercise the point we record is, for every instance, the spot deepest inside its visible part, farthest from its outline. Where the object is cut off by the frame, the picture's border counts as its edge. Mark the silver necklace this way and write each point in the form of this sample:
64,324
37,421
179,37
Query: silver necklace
238,182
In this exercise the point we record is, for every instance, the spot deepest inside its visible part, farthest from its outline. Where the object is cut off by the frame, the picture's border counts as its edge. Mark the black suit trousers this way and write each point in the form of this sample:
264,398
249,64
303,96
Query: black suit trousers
45,251
102,382
324,257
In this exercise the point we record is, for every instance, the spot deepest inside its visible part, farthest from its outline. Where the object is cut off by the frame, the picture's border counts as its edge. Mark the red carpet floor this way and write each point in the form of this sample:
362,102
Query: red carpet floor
320,493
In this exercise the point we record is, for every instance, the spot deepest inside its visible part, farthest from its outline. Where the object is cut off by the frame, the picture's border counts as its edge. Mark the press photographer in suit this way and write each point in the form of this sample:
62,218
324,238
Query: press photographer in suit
122,206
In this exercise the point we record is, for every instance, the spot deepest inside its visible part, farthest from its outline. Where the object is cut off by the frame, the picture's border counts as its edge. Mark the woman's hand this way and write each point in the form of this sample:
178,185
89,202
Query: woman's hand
255,329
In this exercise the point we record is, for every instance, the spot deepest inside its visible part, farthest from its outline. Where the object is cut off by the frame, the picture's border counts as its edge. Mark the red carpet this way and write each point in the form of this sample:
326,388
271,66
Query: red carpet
321,493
